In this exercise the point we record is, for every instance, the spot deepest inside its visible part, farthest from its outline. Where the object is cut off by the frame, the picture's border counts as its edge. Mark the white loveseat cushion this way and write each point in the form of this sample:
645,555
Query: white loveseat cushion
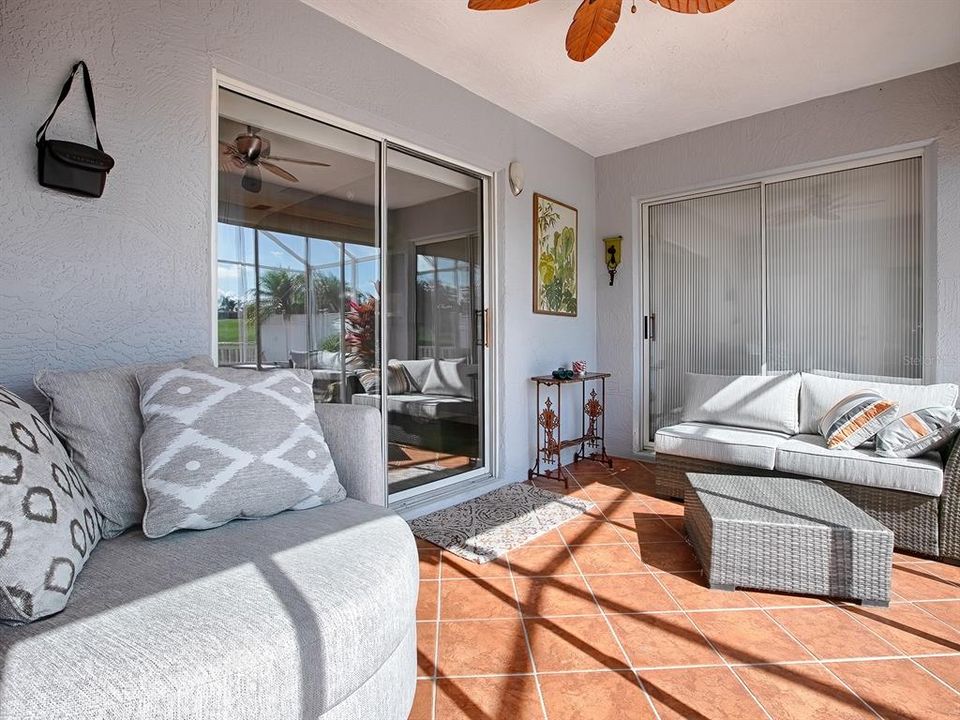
764,402
721,443
808,455
818,394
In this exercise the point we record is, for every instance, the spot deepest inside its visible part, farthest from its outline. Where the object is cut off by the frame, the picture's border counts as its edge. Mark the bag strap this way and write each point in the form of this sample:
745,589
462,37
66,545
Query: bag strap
42,131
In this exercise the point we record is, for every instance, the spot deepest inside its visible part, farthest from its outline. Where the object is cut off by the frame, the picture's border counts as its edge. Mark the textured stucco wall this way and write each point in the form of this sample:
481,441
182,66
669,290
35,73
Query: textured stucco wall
85,283
918,108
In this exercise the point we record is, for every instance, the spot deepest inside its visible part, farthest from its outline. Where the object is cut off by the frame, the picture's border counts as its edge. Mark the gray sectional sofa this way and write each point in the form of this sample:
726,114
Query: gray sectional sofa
750,425
306,614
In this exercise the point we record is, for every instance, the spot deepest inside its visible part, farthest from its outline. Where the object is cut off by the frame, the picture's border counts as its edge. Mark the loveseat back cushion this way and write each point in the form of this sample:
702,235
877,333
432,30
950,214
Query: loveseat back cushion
449,378
721,444
808,455
762,402
918,432
819,393
49,523
223,443
97,413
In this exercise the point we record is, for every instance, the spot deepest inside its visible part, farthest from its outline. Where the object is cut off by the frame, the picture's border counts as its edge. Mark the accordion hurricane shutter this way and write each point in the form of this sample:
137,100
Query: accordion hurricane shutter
855,419
221,443
918,432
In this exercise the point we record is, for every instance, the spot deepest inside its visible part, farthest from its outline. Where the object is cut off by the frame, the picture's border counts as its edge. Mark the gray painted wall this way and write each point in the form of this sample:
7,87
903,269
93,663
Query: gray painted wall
918,108
87,283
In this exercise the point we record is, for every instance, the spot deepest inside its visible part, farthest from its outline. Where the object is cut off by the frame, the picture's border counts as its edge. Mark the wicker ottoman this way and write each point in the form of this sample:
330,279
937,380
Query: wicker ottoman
787,534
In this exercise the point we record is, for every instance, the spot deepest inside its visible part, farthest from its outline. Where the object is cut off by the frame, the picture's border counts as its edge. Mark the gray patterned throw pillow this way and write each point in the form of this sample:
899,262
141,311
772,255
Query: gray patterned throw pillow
221,443
49,524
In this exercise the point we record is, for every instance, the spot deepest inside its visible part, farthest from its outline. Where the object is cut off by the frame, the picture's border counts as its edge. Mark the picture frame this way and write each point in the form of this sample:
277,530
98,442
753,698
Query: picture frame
555,244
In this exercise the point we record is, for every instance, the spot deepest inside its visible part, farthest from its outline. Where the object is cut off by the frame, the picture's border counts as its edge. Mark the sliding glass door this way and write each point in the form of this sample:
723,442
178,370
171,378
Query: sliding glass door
808,272
435,329
363,263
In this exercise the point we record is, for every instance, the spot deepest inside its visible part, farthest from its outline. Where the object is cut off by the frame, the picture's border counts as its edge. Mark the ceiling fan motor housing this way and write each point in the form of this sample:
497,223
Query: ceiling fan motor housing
253,147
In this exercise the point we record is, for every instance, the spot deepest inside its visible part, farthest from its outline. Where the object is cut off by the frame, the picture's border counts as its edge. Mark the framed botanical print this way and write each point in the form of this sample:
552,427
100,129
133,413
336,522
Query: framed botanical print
554,257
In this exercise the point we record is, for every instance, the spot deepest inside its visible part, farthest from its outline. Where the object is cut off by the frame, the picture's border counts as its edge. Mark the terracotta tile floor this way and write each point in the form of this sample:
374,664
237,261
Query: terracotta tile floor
609,618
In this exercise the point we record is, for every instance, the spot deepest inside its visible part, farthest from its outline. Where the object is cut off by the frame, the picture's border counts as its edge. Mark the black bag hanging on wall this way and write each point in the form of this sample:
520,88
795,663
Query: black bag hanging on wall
70,166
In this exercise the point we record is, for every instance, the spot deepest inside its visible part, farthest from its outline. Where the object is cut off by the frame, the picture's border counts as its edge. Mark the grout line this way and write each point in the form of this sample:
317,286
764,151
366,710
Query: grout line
704,636
526,637
436,642
912,657
823,665
698,666
936,677
616,637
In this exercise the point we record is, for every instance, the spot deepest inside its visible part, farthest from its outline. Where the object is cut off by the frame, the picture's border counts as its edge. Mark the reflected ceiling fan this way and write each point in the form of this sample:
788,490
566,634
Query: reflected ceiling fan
595,20
249,153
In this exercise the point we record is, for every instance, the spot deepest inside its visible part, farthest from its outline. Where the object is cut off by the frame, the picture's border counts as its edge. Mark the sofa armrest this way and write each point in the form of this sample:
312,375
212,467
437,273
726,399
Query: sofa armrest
950,506
352,433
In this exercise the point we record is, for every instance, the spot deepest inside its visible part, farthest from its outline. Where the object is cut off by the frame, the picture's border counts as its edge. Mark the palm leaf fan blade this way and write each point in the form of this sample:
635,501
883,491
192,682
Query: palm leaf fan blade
278,171
498,4
593,24
692,7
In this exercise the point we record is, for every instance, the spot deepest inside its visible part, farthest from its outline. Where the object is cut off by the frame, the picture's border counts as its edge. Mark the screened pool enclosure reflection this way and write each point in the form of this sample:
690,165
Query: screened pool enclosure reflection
294,306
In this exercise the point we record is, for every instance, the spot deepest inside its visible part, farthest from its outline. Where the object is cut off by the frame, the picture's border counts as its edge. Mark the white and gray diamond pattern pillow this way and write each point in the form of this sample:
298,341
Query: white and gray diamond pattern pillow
222,443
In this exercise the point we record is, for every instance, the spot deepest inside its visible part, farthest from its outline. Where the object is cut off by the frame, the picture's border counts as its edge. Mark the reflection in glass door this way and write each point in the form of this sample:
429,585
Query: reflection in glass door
364,264
298,252
435,321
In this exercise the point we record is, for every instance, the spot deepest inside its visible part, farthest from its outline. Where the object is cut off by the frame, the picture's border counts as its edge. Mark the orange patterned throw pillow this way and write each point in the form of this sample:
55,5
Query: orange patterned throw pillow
856,419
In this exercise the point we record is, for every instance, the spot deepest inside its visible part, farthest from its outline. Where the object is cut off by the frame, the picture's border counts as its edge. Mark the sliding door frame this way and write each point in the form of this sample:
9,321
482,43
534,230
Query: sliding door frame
922,150
447,487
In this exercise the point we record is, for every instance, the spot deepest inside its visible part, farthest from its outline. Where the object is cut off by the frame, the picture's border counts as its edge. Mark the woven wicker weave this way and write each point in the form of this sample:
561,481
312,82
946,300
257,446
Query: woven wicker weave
788,534
920,523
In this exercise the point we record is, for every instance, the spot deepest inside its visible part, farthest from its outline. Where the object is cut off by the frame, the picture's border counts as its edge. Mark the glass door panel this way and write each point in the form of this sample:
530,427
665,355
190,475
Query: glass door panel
298,256
435,343
704,276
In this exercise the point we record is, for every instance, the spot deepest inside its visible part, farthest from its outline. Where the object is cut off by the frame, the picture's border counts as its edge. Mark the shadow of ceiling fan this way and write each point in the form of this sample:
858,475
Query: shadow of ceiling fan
250,152
595,20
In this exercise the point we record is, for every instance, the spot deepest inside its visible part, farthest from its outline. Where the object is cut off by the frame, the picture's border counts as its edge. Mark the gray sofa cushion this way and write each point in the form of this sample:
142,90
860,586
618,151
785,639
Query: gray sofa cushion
49,524
97,413
818,394
808,455
720,443
424,407
764,402
281,618
223,443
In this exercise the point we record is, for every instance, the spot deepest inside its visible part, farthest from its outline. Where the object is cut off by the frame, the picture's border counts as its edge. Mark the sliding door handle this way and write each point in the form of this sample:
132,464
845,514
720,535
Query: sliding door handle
650,327
483,326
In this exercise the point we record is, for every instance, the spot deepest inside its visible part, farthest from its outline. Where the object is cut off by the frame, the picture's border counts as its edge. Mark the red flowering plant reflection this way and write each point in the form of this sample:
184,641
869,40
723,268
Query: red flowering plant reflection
360,336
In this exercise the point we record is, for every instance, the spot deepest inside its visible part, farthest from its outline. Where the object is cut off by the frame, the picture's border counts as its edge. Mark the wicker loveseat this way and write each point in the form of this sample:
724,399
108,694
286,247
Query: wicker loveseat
756,426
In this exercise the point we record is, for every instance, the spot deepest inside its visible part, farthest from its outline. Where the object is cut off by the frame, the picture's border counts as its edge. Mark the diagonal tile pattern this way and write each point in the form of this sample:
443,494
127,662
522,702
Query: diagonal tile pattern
608,618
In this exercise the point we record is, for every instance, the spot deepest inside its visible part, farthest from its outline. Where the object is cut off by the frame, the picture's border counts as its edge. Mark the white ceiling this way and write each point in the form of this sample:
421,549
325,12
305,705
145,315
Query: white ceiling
662,73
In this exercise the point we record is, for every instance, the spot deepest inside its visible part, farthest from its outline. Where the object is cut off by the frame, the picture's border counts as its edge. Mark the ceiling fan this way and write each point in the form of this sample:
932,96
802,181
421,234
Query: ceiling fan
249,153
595,20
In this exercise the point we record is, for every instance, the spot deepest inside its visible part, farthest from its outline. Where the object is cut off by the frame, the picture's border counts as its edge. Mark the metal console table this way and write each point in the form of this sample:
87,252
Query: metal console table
592,426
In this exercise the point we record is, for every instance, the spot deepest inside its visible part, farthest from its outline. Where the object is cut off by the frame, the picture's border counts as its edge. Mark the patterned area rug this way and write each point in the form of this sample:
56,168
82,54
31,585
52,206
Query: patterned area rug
486,527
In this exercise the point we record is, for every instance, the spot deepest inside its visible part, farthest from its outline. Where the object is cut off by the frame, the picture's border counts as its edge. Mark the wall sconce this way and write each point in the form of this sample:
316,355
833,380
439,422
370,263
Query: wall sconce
611,248
515,176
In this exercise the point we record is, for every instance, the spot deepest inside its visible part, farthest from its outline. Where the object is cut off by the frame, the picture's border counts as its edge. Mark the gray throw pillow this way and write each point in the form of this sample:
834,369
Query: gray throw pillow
918,432
49,524
97,413
221,443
